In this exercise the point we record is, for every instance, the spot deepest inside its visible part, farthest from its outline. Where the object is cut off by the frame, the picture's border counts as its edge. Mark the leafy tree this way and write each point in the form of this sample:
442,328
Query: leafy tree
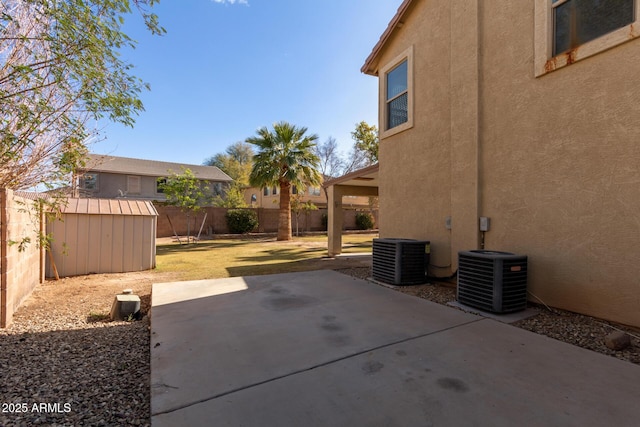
285,157
236,162
366,140
186,192
61,68
365,148
234,198
298,207
365,151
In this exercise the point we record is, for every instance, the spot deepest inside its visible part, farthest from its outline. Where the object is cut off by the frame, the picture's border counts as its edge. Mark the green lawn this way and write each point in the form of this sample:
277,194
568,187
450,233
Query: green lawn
245,257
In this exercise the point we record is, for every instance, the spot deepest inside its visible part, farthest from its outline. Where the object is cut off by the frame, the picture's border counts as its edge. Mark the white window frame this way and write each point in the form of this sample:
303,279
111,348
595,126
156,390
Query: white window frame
407,55
546,63
133,182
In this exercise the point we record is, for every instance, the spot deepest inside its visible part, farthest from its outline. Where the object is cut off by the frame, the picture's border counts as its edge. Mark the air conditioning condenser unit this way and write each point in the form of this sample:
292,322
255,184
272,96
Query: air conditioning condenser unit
492,281
400,261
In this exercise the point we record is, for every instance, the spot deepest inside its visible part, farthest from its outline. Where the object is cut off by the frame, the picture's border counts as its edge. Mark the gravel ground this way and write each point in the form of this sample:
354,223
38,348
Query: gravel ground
63,364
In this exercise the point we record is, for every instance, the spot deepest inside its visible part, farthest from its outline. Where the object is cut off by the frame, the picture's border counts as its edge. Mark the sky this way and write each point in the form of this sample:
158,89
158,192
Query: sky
226,68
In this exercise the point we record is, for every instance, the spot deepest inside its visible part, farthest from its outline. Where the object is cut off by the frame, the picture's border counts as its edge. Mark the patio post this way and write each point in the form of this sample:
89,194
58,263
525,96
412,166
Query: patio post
334,220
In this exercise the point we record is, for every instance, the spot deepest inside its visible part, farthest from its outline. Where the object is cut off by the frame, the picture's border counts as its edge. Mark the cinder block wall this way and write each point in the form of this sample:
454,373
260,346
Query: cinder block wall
21,267
216,222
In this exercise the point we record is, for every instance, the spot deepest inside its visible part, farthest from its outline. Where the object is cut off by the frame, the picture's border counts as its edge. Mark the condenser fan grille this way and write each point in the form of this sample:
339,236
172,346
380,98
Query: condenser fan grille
492,281
400,261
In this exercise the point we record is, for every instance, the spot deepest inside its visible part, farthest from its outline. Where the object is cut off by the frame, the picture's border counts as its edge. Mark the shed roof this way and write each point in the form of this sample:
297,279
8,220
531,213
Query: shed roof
370,65
127,165
109,207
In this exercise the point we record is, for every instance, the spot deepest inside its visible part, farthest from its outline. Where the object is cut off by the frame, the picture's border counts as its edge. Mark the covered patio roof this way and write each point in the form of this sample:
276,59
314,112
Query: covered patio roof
365,177
363,182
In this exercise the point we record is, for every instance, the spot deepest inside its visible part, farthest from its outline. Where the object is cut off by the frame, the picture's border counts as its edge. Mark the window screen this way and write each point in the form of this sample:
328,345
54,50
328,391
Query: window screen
576,22
397,96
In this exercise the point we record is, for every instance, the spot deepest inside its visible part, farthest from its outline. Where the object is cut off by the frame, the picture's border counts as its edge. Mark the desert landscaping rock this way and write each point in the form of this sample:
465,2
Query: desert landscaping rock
63,350
617,340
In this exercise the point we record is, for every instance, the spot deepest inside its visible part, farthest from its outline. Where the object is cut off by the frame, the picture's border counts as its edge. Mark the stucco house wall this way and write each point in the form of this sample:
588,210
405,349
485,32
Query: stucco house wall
552,158
21,266
112,185
414,199
113,177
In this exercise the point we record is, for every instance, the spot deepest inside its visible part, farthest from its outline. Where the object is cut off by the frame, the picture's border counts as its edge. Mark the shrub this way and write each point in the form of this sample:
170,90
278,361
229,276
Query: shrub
364,221
241,221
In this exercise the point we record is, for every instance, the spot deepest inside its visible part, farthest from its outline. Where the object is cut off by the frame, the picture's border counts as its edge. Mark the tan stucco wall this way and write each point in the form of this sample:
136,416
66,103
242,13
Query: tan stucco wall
554,161
20,268
560,165
415,172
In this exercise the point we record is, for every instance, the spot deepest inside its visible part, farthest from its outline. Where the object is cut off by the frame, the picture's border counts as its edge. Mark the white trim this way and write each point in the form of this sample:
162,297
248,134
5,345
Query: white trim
382,103
546,63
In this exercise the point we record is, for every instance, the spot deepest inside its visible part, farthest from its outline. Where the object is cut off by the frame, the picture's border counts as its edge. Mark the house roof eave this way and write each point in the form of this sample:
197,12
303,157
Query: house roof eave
144,167
370,64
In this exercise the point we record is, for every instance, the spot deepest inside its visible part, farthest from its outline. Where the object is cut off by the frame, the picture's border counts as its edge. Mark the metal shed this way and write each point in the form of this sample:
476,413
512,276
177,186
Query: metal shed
103,236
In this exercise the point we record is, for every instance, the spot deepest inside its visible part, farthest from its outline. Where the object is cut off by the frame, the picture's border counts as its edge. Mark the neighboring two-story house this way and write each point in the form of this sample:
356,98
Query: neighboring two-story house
524,112
111,177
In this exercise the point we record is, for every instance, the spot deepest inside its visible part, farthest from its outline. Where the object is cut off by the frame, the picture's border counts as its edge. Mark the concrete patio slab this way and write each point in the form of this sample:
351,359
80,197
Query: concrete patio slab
322,348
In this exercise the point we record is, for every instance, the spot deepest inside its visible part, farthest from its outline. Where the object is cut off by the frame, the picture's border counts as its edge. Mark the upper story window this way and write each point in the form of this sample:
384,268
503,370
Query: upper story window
217,189
133,184
274,191
570,30
160,183
576,22
314,191
265,191
396,94
90,181
294,189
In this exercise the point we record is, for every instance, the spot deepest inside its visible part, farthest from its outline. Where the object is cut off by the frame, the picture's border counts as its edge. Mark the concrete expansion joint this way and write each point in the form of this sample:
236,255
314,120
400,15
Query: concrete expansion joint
320,365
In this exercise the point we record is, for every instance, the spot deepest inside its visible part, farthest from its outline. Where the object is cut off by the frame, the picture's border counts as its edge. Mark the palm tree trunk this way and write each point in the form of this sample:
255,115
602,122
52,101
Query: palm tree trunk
284,217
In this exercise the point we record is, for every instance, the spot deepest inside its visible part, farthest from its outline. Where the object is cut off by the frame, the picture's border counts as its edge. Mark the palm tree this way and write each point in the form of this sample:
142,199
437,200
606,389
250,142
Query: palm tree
285,157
